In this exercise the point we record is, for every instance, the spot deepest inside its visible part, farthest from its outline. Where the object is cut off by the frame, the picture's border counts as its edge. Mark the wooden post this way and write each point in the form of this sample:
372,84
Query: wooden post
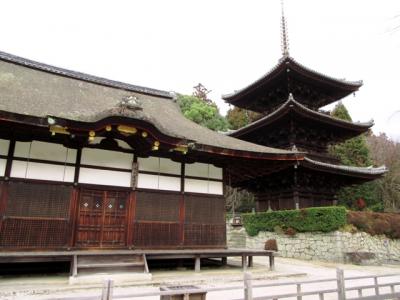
74,265
244,260
248,288
224,261
340,284
107,293
250,262
298,289
146,266
376,286
197,264
271,262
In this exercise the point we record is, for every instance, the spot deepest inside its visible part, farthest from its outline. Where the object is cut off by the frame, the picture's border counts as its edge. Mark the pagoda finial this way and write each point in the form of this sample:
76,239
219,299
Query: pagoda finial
284,33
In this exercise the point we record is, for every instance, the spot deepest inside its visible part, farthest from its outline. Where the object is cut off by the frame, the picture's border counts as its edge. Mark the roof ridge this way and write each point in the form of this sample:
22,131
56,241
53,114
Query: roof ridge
82,76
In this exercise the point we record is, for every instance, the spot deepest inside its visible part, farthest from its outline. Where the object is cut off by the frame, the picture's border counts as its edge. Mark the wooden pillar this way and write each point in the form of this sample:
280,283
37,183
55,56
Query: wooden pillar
10,155
4,190
131,216
74,266
250,262
74,207
296,201
197,264
244,261
3,201
182,207
224,261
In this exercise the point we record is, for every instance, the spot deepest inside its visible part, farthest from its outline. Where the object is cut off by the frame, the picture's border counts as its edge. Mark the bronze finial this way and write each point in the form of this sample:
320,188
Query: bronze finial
284,33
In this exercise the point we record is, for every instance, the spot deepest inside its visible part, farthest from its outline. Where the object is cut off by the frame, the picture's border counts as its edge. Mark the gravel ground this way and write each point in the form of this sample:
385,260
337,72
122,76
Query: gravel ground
287,270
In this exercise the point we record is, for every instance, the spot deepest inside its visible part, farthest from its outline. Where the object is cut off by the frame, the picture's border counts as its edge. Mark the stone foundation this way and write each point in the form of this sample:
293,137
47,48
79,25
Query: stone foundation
334,246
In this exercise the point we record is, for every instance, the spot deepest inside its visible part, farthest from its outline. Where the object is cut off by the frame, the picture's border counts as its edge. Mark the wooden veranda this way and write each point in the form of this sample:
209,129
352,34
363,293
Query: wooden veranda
135,260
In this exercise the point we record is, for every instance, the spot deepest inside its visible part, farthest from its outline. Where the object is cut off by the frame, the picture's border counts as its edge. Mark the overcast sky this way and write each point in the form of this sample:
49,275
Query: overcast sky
224,44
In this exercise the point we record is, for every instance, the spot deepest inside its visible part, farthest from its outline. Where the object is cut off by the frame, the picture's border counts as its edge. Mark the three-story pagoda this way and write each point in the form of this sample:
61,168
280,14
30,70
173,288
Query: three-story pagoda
289,97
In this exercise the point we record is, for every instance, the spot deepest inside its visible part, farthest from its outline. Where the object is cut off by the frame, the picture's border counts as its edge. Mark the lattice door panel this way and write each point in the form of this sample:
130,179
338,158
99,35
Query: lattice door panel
156,234
36,215
205,235
114,226
28,233
101,219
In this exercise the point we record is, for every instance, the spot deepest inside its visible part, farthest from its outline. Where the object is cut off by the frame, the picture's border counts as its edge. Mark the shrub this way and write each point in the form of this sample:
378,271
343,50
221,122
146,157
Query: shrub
290,231
376,223
271,245
323,219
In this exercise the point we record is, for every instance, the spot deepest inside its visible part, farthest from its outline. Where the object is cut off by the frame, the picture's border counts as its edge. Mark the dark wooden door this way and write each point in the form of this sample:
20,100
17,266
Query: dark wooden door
101,219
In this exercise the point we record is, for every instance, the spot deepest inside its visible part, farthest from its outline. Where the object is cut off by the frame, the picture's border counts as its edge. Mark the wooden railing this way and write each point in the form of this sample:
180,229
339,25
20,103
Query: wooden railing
248,287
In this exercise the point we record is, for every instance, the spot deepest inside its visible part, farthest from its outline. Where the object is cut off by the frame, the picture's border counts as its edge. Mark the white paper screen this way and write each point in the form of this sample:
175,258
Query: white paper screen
4,144
3,163
105,177
42,171
106,158
196,170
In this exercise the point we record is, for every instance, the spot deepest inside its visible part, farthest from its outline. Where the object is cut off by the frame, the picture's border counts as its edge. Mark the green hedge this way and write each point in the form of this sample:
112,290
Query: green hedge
323,219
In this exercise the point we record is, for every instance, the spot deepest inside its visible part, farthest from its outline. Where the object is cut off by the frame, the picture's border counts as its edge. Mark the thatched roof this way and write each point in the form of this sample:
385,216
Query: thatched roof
39,90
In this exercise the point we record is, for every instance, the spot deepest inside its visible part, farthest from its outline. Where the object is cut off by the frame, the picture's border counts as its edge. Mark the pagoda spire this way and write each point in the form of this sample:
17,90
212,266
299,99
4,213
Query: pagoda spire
284,33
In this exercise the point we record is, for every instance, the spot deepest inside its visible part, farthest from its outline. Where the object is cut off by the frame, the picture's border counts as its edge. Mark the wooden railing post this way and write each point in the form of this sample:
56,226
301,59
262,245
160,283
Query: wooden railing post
248,289
107,292
376,285
340,284
299,291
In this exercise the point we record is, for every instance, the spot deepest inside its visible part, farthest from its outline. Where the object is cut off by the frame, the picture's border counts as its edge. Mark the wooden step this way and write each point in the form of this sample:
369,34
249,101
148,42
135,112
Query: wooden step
95,263
111,265
108,259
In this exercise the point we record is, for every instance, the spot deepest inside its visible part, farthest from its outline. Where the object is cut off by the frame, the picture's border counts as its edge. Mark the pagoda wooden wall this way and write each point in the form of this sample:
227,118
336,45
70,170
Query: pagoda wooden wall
53,201
309,188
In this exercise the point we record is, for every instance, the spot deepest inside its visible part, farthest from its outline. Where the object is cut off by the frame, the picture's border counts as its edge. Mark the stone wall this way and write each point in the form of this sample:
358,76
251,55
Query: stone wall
334,246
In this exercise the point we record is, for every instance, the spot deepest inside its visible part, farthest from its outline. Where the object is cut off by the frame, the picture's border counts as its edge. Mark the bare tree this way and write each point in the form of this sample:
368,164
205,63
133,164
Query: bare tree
385,151
200,91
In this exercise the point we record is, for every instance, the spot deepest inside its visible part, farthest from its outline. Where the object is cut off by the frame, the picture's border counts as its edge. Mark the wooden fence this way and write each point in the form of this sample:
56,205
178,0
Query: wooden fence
340,289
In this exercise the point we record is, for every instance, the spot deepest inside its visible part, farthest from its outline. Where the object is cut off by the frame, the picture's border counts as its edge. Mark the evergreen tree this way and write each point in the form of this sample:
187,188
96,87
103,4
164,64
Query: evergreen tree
202,112
355,152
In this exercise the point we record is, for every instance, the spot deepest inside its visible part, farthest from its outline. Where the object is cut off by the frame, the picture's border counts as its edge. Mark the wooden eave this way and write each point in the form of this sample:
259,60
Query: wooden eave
280,76
292,106
366,173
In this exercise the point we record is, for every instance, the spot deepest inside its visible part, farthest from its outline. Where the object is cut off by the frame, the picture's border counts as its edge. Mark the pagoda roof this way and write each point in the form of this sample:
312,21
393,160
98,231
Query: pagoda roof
278,79
31,92
360,172
291,105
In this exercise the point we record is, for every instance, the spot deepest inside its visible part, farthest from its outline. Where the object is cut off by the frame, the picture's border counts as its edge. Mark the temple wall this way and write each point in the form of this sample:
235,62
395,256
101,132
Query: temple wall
55,197
333,247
